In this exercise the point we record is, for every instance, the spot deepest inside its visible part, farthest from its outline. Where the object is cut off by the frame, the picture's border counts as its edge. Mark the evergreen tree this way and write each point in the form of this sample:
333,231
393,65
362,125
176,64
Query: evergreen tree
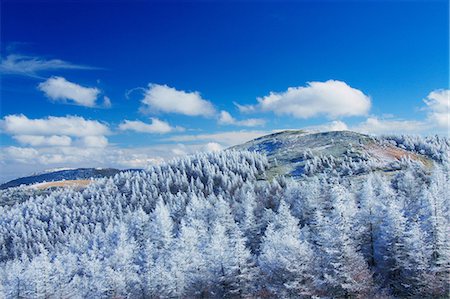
369,222
394,250
345,271
285,259
204,226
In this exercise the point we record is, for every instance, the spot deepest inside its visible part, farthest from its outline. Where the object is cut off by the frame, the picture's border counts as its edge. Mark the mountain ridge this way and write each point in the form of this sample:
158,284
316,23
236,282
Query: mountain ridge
217,224
65,174
290,152
296,152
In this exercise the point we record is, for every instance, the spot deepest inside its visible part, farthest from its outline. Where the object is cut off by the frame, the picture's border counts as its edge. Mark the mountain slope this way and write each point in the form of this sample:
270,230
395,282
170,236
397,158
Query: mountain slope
297,153
214,225
66,174
293,153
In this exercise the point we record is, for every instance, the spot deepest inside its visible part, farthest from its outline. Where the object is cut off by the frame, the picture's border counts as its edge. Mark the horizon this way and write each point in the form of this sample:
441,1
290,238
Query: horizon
125,84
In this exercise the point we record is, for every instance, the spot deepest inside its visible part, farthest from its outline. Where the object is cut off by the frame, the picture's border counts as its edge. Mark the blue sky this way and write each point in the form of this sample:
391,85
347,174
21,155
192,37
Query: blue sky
124,84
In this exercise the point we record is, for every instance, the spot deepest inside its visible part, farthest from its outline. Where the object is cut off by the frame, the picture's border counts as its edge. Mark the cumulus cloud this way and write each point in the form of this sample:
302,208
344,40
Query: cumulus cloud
73,141
20,154
56,131
383,125
157,126
335,125
162,98
331,98
228,138
19,124
31,65
19,161
60,90
213,147
225,118
95,141
438,106
375,125
36,140
54,156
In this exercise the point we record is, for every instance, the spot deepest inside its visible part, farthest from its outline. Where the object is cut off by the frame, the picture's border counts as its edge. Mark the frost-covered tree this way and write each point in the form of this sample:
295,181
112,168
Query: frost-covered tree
369,219
394,248
285,259
219,225
342,270
437,217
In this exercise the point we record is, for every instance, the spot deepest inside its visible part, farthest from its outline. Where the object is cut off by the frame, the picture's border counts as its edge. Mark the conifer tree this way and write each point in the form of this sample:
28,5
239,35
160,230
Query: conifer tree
285,259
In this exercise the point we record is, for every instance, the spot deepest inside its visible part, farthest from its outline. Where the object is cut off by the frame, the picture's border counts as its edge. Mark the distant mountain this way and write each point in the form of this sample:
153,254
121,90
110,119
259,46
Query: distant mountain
59,175
296,153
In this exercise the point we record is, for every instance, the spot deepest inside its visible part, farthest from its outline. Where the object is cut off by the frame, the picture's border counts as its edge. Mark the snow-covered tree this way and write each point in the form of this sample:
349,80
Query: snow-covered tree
219,225
285,259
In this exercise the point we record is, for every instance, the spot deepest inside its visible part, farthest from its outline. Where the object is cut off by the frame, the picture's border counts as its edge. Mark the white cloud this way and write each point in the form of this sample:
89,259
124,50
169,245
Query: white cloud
382,125
438,107
19,124
20,154
131,159
157,126
213,147
331,98
225,118
59,89
95,141
56,132
162,98
374,125
54,156
335,125
31,66
20,161
246,108
437,104
179,150
223,138
37,140
107,102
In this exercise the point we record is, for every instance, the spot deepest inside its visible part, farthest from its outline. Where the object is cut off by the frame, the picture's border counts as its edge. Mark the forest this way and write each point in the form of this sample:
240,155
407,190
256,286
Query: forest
215,225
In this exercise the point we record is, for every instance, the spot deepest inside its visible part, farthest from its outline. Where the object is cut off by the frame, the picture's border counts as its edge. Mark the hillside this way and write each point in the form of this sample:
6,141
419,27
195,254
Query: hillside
59,175
223,225
290,153
297,153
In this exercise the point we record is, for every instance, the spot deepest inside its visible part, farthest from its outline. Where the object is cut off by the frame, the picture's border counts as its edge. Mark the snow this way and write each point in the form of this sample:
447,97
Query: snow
216,225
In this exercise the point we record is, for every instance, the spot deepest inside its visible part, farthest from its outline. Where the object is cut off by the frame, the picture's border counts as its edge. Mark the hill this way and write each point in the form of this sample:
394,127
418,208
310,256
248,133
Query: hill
224,225
60,175
292,153
297,153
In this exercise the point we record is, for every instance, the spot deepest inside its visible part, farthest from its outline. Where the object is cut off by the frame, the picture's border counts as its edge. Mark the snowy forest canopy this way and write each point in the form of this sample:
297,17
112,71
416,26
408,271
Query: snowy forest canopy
214,225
